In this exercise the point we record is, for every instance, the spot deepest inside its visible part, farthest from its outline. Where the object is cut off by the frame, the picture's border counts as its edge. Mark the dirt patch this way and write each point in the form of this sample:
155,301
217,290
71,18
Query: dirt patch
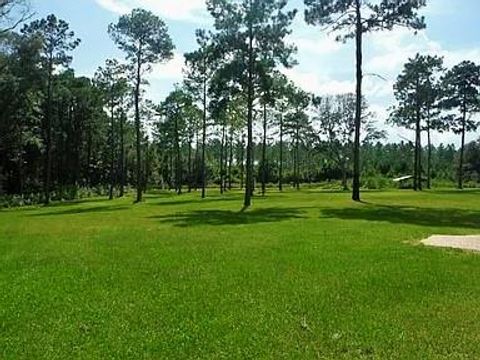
456,242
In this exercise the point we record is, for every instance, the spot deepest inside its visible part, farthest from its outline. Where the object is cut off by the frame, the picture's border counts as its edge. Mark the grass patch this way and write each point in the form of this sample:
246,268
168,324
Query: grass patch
300,275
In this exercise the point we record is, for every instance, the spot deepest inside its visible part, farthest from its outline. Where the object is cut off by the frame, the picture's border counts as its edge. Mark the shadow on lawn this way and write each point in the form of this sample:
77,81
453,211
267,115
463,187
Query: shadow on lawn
82,210
431,217
228,217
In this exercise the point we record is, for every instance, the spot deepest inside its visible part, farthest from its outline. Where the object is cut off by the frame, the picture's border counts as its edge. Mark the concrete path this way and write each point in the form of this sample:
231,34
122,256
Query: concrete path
457,242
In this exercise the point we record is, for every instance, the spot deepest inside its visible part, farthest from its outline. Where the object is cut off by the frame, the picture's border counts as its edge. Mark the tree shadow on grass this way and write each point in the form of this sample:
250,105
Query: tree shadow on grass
229,217
83,210
179,201
431,217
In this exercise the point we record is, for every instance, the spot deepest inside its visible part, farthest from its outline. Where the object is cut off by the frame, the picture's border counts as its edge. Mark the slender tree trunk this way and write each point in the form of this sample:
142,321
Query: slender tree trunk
230,160
264,150
112,149
122,154
420,158
415,166
297,156
204,139
222,153
242,162
462,148
429,156
196,167
146,171
137,127
358,110
178,159
250,95
48,142
190,168
280,165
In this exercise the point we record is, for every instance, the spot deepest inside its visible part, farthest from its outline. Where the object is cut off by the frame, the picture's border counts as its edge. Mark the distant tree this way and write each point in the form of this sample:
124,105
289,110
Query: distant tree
252,35
177,111
281,88
198,75
298,127
113,84
472,159
352,19
145,40
461,87
417,95
57,41
335,116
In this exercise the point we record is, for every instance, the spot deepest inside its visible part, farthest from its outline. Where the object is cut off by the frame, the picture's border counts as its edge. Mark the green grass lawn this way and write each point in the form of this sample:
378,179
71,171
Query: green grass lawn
299,276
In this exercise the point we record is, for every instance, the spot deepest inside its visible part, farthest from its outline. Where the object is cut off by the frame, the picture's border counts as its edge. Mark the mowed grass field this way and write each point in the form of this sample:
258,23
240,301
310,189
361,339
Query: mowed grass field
301,275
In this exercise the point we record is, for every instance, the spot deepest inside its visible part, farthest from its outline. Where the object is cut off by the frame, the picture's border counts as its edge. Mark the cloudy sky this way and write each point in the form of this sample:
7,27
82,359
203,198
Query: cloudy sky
325,67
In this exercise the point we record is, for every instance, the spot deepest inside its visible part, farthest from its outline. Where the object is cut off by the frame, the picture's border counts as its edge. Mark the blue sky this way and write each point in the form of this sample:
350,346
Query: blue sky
325,67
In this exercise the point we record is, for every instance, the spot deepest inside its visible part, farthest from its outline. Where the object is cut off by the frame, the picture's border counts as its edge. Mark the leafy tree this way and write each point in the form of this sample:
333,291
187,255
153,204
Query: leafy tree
297,126
461,86
57,41
281,89
351,19
113,84
200,68
145,40
335,116
417,96
177,111
252,35
472,159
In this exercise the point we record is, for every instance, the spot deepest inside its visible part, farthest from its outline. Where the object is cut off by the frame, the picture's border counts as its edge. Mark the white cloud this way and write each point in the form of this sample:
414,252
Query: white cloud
171,70
184,10
318,45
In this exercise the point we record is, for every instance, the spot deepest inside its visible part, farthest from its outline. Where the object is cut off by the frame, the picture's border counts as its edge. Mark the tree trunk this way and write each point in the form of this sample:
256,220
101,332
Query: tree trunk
250,94
429,156
230,160
204,139
222,153
178,159
242,162
122,155
297,157
280,165
358,110
264,151
137,128
112,149
48,136
462,149
190,168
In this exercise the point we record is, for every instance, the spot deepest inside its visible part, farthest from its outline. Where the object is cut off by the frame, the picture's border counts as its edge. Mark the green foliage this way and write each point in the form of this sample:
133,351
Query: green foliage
461,91
143,37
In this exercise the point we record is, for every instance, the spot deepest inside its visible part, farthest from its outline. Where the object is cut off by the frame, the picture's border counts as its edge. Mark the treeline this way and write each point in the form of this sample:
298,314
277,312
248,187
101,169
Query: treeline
234,122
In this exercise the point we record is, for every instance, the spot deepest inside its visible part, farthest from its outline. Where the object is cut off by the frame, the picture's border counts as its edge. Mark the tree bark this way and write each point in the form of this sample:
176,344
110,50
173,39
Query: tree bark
48,135
264,151
429,156
250,94
137,126
204,139
462,148
358,110
122,155
112,149
280,165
